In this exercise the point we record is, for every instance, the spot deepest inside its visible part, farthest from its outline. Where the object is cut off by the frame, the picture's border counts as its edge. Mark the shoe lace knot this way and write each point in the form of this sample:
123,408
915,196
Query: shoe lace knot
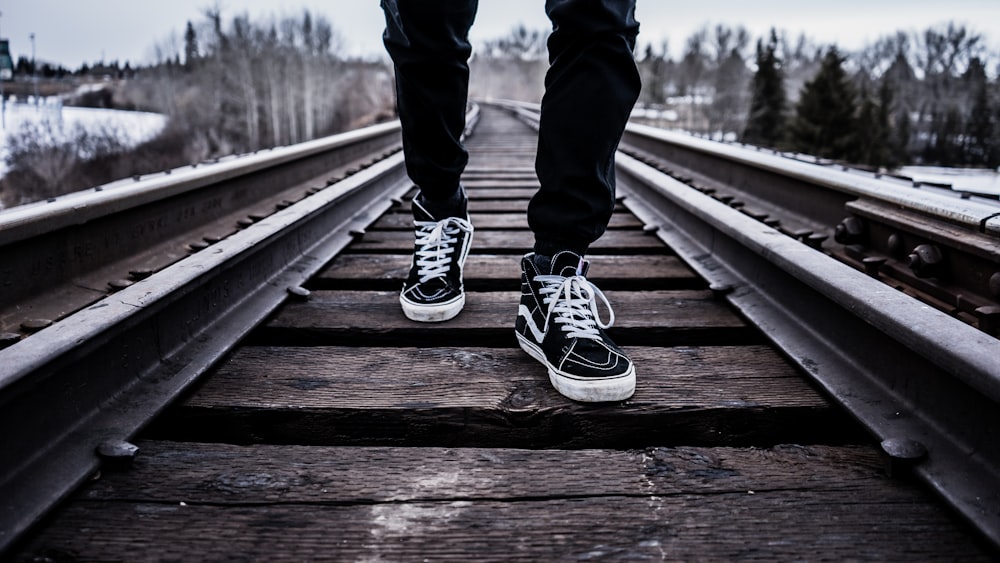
572,304
436,245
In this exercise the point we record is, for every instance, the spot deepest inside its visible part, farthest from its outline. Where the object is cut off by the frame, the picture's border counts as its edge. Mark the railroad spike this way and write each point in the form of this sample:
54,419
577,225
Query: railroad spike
8,339
299,293
720,290
873,264
901,455
989,319
117,454
816,240
119,284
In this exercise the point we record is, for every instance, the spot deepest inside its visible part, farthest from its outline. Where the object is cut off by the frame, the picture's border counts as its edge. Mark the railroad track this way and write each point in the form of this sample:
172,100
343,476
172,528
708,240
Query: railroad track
339,429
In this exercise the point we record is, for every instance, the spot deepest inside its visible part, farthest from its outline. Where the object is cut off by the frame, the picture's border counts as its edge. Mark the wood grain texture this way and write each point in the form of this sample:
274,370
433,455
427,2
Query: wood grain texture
510,242
214,502
499,397
519,206
494,221
490,272
661,318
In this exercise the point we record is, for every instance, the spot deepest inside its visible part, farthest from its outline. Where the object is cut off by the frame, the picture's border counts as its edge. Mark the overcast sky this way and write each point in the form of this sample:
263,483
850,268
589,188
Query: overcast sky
70,32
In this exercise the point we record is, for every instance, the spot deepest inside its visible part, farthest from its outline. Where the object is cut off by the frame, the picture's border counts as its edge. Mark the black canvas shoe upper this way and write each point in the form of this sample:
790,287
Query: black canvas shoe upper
558,316
435,277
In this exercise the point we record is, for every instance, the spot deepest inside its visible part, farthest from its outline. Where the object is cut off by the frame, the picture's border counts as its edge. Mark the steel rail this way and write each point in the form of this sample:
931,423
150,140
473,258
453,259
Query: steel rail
74,393
926,385
768,175
919,380
941,248
58,256
938,246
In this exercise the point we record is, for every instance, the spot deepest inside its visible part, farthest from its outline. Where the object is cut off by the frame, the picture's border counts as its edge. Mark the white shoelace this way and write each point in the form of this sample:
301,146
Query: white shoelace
573,302
437,245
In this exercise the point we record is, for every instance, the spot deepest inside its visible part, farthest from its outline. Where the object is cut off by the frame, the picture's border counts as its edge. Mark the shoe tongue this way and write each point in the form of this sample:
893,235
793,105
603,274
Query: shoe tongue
420,212
427,210
568,264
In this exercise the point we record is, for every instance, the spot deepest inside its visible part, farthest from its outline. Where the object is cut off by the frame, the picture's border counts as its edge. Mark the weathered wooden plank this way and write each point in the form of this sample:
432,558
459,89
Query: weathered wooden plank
661,318
292,504
364,378
484,272
483,221
512,173
223,474
499,398
523,193
511,242
499,184
496,206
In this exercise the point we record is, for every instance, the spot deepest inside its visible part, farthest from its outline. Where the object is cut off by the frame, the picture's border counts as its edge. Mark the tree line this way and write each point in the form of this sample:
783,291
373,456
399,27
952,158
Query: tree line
243,85
235,85
228,85
924,97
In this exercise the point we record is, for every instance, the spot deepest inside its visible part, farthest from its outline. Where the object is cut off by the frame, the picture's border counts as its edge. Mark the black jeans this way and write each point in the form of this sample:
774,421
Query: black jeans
590,88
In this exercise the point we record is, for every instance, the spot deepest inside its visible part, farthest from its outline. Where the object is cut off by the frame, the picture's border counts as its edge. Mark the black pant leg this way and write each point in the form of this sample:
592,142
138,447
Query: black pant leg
590,89
429,46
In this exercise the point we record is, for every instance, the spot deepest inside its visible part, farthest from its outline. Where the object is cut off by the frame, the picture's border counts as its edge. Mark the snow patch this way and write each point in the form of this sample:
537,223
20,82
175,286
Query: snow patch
977,180
131,127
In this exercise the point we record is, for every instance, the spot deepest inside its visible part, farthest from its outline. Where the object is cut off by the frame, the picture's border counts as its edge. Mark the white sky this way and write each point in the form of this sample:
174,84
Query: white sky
70,32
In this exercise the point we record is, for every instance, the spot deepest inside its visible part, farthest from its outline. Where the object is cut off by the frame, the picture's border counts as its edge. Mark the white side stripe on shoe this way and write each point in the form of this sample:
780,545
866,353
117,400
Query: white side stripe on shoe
535,331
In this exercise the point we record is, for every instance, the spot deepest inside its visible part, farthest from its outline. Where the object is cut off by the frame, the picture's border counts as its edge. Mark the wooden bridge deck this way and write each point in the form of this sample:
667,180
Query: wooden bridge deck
342,431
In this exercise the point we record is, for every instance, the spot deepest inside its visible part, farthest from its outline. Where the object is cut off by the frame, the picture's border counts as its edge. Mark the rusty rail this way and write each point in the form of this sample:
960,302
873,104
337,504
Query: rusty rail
923,382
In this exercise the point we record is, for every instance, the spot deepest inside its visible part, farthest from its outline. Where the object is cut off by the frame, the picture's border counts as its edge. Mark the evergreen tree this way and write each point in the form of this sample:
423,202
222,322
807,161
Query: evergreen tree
902,137
981,136
190,46
824,124
945,145
875,139
729,102
766,120
893,154
866,146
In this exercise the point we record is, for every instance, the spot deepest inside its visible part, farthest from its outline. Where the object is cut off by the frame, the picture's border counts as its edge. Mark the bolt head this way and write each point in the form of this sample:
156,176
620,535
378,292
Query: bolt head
849,231
895,244
925,261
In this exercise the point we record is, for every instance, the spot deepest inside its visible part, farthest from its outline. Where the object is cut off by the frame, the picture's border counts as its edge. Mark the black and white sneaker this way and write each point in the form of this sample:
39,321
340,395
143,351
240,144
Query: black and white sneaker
434,290
558,325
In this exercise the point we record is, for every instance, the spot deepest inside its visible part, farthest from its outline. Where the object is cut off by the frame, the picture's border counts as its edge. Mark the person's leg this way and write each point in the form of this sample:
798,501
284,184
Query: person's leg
429,46
591,86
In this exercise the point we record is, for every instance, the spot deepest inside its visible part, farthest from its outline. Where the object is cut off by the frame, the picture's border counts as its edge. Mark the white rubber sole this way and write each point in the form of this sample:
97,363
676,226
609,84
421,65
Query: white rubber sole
587,390
432,313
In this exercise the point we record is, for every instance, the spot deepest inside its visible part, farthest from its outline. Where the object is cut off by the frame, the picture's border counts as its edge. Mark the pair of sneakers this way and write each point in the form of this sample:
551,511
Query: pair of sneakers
558,322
